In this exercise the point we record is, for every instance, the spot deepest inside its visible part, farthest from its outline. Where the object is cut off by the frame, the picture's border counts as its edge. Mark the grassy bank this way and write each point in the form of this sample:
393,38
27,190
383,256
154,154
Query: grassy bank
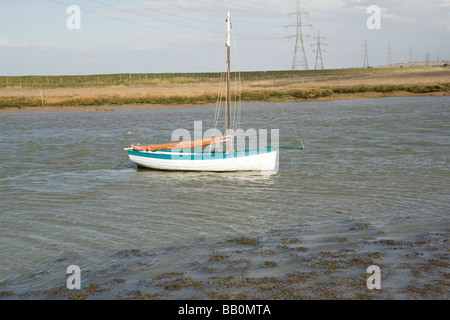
334,91
202,88
154,79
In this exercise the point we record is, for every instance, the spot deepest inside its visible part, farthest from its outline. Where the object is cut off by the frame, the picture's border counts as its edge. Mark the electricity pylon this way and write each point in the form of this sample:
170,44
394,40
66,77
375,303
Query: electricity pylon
389,62
366,56
299,61
318,51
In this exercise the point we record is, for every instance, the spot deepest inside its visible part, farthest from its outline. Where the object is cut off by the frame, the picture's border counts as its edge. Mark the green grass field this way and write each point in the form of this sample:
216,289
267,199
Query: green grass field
141,79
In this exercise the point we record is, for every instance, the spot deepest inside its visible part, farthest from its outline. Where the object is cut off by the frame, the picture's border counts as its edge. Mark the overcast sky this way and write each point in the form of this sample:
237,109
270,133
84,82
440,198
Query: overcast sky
138,36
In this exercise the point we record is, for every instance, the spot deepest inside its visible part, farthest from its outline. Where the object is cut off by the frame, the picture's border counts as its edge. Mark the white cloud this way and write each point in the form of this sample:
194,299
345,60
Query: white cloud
443,3
4,41
400,18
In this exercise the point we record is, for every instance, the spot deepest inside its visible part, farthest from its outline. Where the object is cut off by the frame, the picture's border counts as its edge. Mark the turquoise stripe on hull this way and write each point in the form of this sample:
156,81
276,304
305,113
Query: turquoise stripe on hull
177,155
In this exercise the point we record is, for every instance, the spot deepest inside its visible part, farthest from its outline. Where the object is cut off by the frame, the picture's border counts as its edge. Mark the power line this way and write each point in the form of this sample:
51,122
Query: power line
119,19
167,13
244,8
153,18
209,4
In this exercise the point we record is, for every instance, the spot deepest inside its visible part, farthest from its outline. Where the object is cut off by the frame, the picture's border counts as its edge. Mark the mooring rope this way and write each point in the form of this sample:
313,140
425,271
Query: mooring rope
293,128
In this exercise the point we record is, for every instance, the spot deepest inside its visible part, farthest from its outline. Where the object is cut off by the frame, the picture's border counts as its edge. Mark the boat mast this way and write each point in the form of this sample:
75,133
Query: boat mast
227,44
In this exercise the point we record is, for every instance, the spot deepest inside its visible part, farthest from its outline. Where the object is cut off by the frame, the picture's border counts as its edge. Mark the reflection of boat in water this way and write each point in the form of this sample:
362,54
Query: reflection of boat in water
180,155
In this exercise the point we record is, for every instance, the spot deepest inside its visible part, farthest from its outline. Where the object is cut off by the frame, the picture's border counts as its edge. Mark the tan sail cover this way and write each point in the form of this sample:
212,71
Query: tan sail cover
179,145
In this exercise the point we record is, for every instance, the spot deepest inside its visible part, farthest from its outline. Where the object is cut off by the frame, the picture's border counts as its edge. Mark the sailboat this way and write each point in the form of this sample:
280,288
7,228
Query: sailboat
213,154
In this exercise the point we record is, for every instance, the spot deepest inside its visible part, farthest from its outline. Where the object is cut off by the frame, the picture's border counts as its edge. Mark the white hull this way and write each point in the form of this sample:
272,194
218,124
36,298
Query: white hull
162,160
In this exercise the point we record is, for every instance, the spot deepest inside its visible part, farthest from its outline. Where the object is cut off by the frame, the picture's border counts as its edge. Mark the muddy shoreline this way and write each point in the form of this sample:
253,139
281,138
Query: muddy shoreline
134,107
280,265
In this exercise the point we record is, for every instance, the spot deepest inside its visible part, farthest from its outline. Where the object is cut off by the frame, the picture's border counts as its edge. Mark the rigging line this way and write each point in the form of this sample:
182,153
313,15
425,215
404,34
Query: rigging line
218,102
238,105
219,95
146,16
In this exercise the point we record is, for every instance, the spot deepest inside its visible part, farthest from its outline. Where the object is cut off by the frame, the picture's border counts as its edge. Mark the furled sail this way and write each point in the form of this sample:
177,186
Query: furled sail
179,145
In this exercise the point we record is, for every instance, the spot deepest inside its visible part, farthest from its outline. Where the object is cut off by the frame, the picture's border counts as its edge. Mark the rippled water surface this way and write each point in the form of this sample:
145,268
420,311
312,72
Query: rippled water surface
385,162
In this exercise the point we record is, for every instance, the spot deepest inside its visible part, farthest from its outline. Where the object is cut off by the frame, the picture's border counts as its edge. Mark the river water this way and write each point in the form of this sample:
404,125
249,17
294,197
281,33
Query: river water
372,169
